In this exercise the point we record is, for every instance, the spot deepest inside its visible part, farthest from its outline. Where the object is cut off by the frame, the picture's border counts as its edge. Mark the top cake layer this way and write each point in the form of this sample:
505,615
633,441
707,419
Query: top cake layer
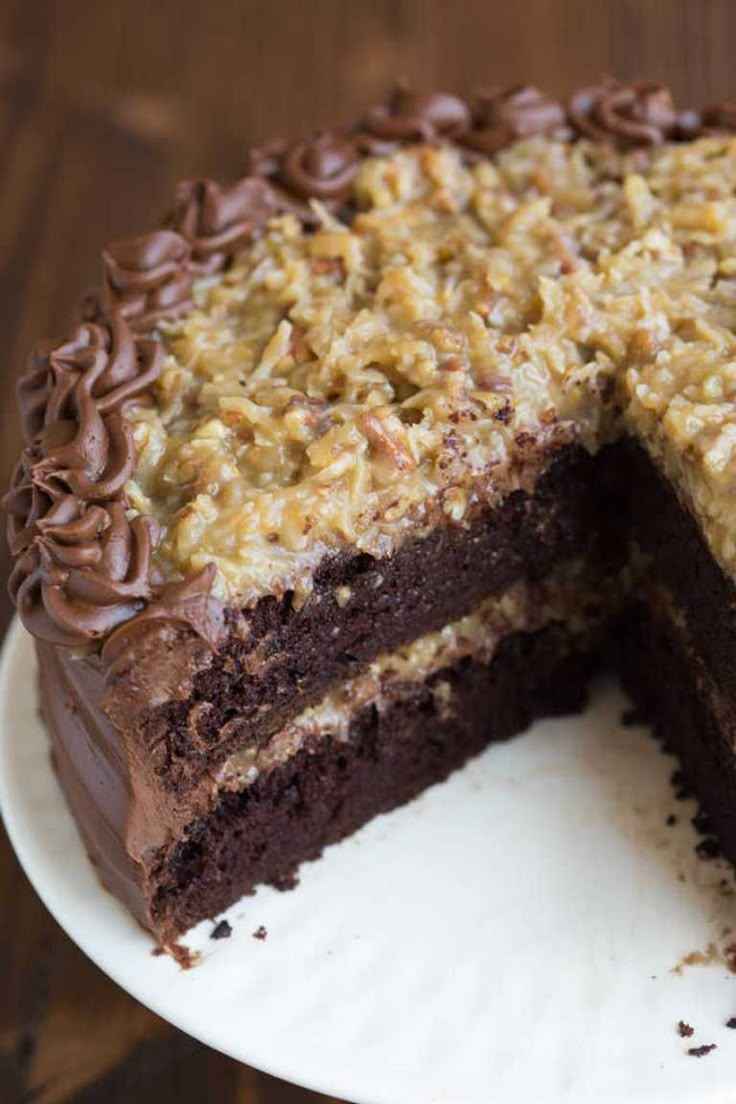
374,333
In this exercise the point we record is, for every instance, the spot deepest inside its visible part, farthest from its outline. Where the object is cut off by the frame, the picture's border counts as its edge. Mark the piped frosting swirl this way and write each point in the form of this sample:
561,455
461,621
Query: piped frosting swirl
409,116
500,118
81,565
321,166
147,279
639,112
217,222
81,568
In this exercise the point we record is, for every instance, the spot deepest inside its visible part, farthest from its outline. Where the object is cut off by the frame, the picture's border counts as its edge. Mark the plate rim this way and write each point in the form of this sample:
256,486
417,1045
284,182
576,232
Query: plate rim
303,1070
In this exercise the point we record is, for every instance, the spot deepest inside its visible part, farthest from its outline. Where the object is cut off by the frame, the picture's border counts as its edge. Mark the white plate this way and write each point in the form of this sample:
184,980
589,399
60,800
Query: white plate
512,936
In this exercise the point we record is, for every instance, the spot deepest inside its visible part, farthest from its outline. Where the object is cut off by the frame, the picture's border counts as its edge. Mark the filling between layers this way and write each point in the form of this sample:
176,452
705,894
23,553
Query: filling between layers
572,596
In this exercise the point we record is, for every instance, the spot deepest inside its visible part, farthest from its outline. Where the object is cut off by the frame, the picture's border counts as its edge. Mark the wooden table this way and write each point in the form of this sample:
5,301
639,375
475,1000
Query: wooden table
103,106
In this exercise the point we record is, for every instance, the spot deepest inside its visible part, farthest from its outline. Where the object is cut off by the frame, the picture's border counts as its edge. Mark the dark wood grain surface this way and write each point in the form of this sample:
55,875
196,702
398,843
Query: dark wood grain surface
102,106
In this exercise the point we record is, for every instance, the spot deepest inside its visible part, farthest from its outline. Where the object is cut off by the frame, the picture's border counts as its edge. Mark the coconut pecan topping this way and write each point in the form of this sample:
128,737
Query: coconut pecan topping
410,116
501,117
639,113
216,221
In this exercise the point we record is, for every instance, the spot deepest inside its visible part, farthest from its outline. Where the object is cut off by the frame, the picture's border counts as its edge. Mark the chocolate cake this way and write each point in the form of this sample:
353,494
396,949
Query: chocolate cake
363,462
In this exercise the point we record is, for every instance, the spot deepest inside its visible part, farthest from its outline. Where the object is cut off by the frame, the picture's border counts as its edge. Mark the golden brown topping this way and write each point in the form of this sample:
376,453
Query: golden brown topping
350,386
340,387
353,385
388,440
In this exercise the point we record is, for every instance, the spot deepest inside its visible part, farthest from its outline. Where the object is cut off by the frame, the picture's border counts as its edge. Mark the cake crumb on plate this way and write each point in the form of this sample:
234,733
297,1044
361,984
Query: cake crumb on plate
701,1051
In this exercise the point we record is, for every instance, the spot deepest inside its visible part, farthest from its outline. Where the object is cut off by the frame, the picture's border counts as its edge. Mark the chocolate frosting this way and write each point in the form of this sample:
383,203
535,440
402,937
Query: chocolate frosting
217,221
409,116
714,120
83,570
147,279
638,113
183,605
104,366
500,118
719,118
321,166
83,567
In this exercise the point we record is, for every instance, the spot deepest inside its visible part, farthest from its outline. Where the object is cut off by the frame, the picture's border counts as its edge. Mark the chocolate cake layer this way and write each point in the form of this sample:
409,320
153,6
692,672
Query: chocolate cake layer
326,792
673,688
277,659
676,555
127,815
677,641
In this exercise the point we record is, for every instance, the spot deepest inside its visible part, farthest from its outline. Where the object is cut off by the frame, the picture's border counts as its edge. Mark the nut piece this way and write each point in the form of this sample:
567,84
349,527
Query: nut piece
389,440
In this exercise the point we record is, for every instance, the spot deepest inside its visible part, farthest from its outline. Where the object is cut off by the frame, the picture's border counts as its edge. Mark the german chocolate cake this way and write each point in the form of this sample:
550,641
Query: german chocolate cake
363,462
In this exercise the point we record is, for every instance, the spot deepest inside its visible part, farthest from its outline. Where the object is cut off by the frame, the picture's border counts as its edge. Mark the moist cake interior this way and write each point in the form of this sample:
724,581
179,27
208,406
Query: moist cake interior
406,463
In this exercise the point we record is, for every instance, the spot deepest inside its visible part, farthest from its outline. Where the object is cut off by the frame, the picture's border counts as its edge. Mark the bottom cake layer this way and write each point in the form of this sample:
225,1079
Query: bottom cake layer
330,788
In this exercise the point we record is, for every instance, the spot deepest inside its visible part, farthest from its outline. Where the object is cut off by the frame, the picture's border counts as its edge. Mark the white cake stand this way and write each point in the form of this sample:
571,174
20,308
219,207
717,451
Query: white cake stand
516,935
